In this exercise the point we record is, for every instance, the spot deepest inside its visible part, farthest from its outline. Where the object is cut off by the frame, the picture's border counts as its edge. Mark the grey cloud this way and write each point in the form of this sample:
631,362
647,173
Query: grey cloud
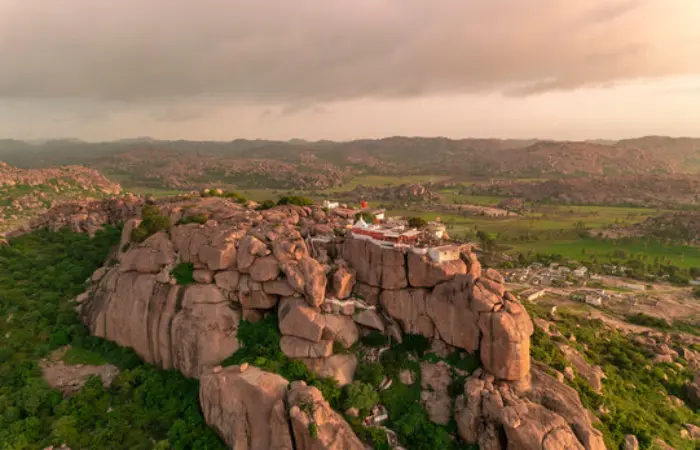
313,51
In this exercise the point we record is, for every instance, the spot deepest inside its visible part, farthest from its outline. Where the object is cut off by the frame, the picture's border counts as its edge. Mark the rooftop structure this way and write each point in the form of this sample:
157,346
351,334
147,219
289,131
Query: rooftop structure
384,233
444,253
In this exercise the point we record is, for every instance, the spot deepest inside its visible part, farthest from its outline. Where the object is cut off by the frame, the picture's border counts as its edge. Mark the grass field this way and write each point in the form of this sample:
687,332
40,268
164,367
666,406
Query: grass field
553,219
679,255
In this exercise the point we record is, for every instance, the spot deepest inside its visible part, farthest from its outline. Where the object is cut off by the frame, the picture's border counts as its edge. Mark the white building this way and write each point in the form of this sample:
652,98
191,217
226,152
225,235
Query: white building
594,299
444,253
532,294
581,272
379,214
330,205
437,229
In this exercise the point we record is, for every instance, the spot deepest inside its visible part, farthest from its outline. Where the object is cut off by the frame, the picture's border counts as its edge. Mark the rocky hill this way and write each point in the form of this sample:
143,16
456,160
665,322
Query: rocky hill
27,193
680,225
318,165
638,190
185,295
402,193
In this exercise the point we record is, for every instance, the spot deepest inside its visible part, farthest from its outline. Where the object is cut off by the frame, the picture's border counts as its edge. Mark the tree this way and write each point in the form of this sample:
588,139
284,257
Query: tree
295,200
417,222
366,216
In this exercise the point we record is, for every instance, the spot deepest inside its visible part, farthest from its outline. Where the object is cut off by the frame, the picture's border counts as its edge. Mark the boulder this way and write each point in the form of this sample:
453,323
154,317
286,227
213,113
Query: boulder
593,375
423,272
173,327
265,268
218,257
227,280
247,408
314,423
295,347
343,282
505,344
340,367
256,298
340,329
249,248
408,307
297,318
307,277
370,294
693,391
631,443
278,287
377,266
151,256
369,318
448,308
203,276
435,379
494,275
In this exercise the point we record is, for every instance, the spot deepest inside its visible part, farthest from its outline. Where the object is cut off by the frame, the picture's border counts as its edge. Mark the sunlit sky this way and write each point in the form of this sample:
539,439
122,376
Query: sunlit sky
341,69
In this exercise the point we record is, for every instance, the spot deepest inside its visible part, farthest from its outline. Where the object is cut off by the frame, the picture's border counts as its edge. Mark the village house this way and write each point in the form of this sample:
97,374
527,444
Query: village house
379,214
581,272
532,294
444,253
594,299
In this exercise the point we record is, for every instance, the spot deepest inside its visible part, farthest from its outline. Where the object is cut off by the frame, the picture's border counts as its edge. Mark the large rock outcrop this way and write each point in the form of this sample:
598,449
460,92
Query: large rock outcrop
247,408
547,415
247,264
256,410
314,423
448,300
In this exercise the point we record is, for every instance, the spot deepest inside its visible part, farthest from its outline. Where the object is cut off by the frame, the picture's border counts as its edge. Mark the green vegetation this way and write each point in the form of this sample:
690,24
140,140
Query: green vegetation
370,373
663,325
225,194
152,223
417,222
200,218
83,356
696,292
261,348
266,204
40,273
361,396
635,396
366,216
183,273
295,200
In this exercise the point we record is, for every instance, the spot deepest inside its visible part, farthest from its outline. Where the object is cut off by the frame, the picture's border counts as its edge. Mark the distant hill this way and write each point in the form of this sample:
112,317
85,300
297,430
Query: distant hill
318,165
27,193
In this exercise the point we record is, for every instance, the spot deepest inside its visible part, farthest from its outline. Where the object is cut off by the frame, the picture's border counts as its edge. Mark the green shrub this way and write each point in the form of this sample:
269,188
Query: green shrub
295,200
417,222
152,223
374,339
200,218
183,273
361,396
370,373
267,204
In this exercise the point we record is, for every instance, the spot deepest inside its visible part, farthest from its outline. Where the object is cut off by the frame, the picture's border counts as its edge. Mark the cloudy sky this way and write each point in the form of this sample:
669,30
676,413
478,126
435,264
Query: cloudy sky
343,69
